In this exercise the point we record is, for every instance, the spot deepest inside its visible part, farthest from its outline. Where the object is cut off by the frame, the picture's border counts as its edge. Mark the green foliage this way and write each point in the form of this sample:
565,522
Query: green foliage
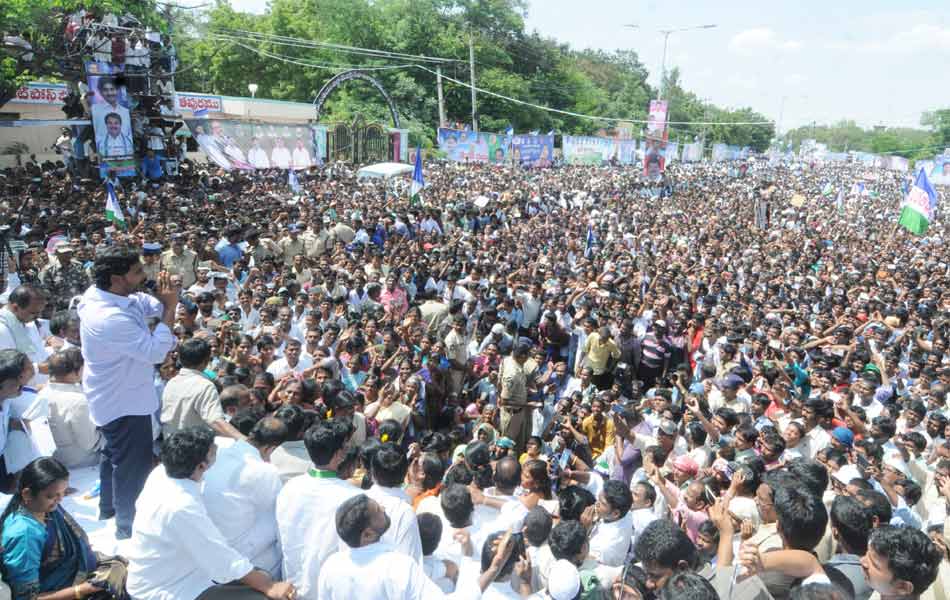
847,135
41,22
509,61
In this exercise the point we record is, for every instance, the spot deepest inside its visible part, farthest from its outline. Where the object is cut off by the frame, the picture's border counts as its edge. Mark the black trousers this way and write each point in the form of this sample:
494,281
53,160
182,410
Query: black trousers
603,381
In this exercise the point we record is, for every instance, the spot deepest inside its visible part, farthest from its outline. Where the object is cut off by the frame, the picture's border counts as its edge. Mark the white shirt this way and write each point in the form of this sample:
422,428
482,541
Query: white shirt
291,459
39,353
403,532
378,572
609,542
280,158
301,158
176,552
73,431
639,519
500,590
258,158
120,353
279,367
306,525
815,441
240,493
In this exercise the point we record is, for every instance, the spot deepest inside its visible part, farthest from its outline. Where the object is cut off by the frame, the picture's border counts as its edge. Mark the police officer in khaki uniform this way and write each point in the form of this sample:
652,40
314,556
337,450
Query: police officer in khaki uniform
315,238
179,260
151,260
291,245
259,248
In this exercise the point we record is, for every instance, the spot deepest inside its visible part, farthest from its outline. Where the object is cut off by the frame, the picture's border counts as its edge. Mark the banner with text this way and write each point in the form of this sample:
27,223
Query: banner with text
693,152
469,146
586,150
41,93
185,102
724,152
234,144
532,150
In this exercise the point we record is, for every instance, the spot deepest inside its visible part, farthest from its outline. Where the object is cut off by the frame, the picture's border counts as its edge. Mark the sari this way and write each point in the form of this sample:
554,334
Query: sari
40,558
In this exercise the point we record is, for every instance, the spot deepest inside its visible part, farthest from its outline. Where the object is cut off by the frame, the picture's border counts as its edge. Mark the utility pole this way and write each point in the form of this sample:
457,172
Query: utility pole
438,89
702,135
471,70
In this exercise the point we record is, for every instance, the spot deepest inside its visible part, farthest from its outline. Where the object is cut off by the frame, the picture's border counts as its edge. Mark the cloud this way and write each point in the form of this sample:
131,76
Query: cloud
923,37
757,39
737,81
793,79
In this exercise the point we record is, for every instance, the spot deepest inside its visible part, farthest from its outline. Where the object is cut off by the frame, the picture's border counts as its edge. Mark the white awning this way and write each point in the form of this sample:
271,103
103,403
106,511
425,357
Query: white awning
384,170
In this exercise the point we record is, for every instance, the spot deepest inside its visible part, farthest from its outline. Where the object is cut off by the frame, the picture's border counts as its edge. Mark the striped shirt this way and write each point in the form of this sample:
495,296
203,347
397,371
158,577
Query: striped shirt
654,351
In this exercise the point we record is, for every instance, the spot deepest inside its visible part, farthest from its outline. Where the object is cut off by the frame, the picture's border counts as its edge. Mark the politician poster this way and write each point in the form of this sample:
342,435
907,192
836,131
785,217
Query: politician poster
234,144
532,150
586,150
471,146
938,170
111,119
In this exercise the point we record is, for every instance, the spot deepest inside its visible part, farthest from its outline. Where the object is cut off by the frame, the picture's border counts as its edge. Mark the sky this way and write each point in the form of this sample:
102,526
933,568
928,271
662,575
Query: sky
795,62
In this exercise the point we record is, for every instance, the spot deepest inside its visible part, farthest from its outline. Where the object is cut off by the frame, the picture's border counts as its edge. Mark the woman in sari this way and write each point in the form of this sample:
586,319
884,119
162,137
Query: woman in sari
46,555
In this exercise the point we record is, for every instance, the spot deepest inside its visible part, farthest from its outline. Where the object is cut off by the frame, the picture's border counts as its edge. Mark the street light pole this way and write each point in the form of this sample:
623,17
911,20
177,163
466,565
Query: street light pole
661,92
662,89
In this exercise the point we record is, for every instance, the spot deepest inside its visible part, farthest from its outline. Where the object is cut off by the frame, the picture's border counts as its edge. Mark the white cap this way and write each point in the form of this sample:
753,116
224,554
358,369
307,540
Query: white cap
564,582
846,473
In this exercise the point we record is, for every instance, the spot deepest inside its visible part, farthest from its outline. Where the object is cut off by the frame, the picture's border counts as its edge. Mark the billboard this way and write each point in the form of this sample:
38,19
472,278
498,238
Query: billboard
939,170
192,102
656,119
532,150
41,93
724,152
111,119
654,157
693,152
233,144
471,146
585,150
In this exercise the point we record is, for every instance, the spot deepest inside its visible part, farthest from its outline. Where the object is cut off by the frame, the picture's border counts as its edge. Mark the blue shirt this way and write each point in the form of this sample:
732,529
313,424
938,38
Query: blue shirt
228,253
152,167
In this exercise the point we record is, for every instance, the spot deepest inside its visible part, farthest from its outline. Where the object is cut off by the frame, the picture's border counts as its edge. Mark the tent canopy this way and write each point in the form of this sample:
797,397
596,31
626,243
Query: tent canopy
383,170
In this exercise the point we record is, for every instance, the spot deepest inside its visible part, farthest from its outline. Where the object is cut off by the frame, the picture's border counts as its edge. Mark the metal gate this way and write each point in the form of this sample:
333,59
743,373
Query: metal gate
374,144
359,143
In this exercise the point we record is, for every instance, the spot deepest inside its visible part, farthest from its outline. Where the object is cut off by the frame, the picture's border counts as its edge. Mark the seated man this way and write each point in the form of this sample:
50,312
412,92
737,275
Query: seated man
240,493
366,568
190,399
307,506
292,458
14,365
73,431
176,551
389,471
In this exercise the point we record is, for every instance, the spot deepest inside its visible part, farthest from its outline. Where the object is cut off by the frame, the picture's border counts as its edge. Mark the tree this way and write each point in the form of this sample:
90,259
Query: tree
42,24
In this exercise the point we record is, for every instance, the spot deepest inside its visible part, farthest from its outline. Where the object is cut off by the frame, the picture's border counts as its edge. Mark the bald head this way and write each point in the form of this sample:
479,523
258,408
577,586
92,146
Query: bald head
507,474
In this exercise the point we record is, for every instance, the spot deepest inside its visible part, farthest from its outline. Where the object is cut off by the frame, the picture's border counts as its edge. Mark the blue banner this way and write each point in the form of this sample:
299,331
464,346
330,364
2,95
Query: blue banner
468,146
532,150
724,152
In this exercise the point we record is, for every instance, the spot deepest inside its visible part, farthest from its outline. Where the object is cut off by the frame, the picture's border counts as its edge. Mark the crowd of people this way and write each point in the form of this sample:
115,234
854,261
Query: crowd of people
554,383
